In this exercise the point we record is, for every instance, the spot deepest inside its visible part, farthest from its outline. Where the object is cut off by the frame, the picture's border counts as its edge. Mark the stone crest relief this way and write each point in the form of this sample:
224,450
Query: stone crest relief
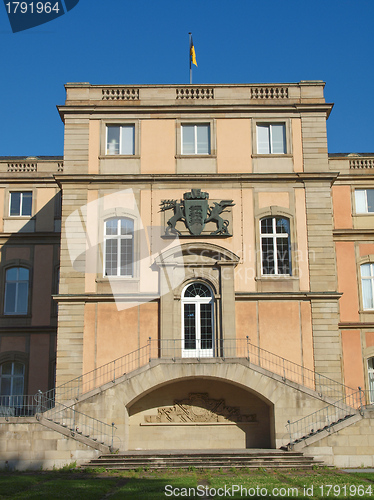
199,408
193,213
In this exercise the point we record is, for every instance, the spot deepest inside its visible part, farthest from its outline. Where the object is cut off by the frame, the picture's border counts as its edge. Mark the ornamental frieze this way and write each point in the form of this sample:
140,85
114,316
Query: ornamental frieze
193,214
199,408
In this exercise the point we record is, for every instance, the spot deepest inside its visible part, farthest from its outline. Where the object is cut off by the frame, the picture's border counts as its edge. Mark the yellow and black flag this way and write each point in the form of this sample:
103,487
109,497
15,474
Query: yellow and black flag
192,52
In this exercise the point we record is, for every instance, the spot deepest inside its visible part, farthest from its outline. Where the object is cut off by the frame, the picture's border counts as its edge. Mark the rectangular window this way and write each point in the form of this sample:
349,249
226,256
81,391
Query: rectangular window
120,140
271,138
20,204
364,199
196,139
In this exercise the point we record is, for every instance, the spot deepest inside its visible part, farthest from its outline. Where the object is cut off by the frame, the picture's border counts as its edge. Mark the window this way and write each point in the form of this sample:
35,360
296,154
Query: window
119,247
371,379
364,201
275,246
120,140
271,138
16,290
196,139
367,282
12,376
20,204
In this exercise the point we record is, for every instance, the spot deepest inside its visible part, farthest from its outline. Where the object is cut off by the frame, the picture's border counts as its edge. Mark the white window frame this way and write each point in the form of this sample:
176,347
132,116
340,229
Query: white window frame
119,237
17,283
274,236
197,301
21,193
361,205
120,145
270,126
369,278
196,125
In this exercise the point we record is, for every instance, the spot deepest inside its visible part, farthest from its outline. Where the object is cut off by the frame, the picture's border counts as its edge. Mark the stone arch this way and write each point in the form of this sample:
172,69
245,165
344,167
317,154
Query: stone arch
195,412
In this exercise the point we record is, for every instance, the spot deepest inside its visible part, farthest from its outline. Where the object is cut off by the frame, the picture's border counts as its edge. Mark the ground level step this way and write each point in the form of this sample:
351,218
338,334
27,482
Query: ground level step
204,460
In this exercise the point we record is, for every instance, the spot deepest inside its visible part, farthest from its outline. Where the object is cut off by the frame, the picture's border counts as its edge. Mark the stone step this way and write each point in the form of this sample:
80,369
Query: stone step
210,460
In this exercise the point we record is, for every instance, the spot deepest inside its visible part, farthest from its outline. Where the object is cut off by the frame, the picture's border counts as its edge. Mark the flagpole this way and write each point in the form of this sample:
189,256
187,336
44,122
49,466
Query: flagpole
189,55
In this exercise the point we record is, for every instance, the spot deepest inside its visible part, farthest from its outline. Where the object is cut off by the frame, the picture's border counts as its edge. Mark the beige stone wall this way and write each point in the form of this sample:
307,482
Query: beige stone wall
349,447
26,444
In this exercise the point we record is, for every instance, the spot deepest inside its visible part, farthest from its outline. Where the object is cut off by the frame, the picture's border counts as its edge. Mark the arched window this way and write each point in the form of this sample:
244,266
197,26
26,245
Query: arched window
371,379
16,290
197,321
119,247
367,285
275,246
12,377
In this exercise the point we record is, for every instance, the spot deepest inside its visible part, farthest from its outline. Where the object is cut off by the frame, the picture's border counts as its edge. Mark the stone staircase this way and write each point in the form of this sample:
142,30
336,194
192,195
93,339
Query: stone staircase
199,459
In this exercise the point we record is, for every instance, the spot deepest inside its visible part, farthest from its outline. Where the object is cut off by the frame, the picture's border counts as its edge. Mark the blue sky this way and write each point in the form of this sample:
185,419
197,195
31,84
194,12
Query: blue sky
146,42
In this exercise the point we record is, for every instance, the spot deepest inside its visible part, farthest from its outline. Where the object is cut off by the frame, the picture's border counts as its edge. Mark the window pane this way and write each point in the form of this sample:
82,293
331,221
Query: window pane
15,203
126,257
10,297
360,197
12,274
127,226
6,386
365,270
263,139
23,274
18,368
267,226
282,226
26,203
188,139
189,326
367,294
370,200
17,388
203,139
113,140
267,256
206,326
128,140
111,258
278,139
283,255
6,368
23,289
111,227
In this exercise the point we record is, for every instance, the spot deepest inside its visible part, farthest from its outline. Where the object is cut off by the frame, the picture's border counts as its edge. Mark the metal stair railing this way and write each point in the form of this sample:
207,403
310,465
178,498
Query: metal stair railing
79,423
172,349
324,419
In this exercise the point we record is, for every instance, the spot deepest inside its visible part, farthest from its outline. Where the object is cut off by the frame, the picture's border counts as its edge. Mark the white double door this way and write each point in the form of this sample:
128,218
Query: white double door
197,327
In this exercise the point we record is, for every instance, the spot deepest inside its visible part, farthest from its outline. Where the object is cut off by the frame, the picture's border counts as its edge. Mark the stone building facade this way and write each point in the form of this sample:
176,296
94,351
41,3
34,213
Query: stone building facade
215,269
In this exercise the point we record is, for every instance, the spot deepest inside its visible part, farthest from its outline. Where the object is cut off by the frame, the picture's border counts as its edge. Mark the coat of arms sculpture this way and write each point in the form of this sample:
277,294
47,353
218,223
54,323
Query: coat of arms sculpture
194,211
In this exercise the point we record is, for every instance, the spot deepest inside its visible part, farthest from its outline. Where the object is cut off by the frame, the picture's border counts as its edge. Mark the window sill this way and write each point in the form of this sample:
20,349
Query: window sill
17,217
119,157
272,277
107,279
195,156
272,155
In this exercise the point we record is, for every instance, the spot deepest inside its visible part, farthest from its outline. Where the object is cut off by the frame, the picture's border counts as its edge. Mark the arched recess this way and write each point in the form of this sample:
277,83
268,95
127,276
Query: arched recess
200,413
197,262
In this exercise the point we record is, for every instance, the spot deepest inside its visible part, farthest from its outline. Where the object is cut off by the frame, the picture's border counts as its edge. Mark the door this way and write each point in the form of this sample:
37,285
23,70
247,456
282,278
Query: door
197,321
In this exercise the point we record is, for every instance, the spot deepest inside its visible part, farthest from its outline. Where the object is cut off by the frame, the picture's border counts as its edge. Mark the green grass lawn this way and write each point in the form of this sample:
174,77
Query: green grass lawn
227,483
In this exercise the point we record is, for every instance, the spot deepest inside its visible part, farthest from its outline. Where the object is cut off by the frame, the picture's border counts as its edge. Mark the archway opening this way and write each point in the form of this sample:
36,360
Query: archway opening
200,413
